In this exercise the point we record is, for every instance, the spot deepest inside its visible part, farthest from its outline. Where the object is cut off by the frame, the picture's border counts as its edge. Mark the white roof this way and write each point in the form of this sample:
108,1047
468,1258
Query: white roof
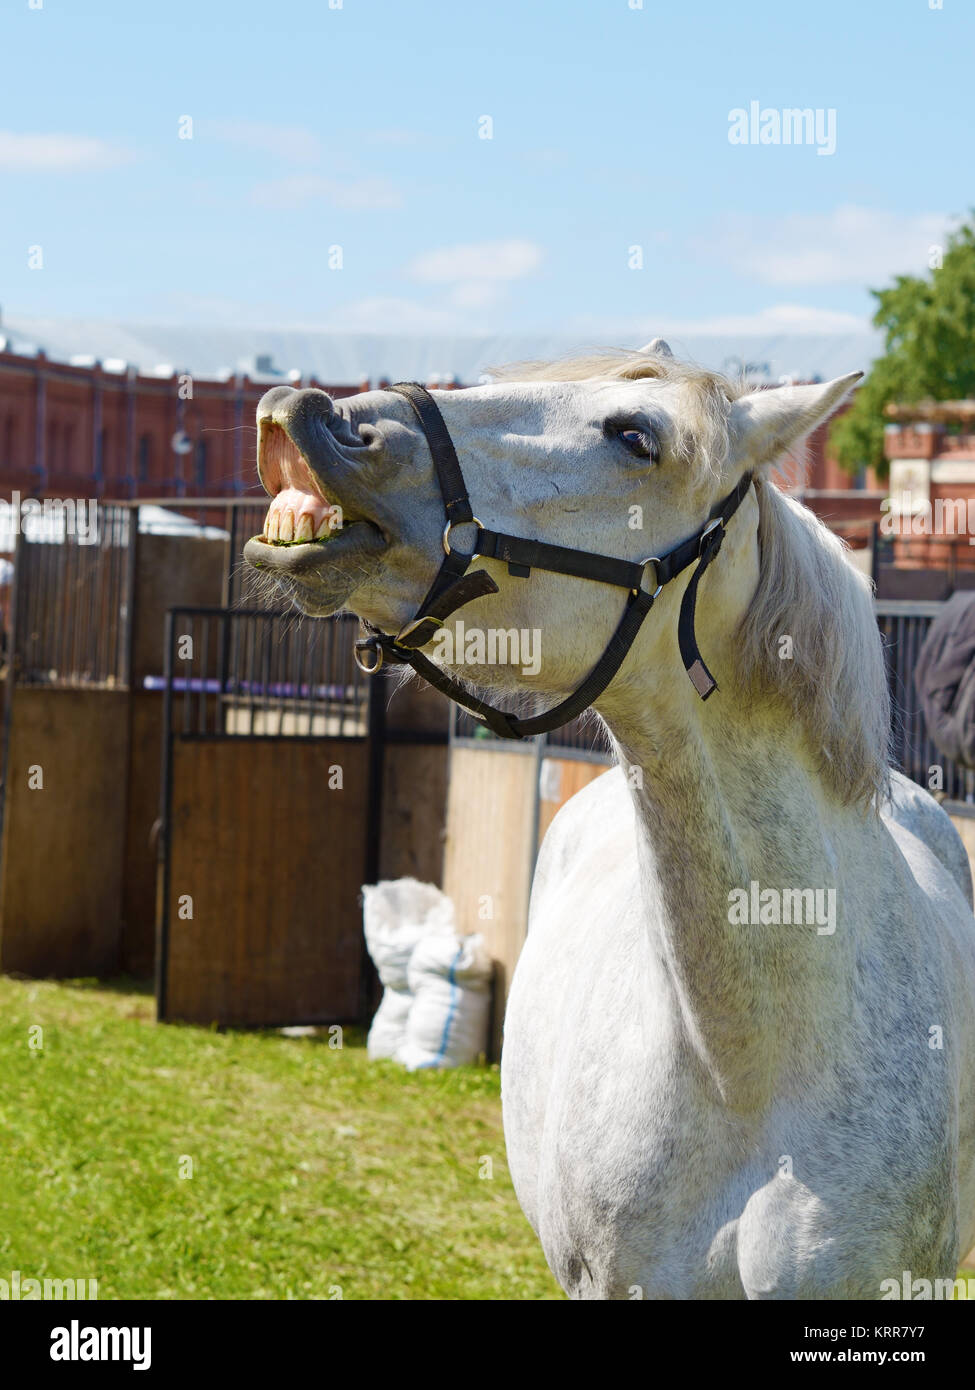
161,521
51,525
346,359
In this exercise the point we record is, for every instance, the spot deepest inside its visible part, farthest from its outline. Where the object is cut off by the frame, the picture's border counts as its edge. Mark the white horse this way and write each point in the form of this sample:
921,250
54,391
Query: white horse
739,1054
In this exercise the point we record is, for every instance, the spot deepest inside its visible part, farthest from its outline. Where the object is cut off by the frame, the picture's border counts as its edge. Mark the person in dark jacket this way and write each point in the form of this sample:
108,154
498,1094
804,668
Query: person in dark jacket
945,680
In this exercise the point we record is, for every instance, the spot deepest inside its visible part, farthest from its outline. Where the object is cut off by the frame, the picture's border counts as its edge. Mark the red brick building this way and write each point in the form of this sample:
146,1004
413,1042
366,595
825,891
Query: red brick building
69,430
931,449
110,431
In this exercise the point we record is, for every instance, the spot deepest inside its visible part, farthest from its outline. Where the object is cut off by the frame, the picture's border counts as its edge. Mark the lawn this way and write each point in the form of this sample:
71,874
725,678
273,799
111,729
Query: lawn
179,1162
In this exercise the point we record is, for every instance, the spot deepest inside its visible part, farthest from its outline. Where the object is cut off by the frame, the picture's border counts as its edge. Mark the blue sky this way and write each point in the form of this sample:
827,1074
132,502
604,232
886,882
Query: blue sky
358,127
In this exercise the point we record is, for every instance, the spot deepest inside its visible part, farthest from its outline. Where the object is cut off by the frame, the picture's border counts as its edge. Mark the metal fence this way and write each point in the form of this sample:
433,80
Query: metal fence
254,673
72,604
246,587
71,609
903,627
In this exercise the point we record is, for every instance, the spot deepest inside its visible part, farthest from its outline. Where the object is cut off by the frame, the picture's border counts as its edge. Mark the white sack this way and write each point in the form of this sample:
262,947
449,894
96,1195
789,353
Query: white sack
387,1032
450,979
396,913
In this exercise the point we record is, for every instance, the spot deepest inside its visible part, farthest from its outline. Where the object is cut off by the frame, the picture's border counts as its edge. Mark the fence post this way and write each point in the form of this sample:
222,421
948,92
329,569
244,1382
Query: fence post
875,554
162,840
376,736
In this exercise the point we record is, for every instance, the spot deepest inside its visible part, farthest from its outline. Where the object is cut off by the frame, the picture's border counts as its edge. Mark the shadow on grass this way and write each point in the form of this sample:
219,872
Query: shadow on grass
116,984
128,986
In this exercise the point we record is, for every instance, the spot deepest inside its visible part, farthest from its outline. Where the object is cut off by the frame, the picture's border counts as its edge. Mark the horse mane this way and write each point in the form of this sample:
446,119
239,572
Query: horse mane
835,682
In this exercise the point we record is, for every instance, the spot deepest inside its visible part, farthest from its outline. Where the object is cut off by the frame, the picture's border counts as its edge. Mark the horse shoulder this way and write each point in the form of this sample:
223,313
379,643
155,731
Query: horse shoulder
582,828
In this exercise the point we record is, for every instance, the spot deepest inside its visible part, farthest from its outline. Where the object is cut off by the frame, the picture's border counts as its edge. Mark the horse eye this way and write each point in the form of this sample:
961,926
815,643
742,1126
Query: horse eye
638,442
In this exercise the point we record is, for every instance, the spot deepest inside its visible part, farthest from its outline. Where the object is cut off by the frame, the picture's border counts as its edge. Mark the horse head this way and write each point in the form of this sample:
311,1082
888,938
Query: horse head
625,455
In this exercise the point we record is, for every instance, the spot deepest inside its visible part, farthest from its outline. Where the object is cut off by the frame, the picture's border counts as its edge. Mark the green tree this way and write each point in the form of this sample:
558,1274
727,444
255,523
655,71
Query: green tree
929,329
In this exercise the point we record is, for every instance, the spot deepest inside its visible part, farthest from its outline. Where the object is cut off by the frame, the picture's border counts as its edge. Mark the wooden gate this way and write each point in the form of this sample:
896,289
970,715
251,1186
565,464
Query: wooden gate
271,780
65,742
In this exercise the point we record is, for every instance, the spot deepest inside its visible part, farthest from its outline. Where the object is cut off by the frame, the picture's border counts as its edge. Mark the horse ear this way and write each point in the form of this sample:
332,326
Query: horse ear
658,346
764,424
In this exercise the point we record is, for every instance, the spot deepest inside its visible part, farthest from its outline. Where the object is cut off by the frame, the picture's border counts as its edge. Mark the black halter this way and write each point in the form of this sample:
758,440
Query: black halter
453,587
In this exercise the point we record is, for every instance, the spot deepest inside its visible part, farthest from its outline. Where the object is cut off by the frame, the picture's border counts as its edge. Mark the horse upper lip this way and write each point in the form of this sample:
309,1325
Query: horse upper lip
281,463
305,505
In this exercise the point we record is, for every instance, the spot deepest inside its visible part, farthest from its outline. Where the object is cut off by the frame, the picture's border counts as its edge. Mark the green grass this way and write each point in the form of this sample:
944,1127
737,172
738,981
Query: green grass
312,1169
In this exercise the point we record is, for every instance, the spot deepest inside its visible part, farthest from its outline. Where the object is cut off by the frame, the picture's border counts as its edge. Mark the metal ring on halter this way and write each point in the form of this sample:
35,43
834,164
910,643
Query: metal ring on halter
368,670
650,560
446,534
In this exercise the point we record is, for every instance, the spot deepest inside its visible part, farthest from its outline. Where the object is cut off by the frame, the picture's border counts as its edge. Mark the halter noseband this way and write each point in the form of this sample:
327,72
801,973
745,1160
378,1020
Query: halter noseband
453,587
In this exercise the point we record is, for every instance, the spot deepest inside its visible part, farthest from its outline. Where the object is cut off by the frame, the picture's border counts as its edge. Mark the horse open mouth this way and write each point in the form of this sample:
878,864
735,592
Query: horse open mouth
305,518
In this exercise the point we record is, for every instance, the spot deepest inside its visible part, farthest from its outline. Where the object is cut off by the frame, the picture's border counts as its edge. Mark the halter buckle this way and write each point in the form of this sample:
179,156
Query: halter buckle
411,627
446,535
712,525
650,560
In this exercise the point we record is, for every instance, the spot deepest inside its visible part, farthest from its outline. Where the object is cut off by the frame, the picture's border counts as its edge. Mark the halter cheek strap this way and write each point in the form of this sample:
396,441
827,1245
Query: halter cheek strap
453,587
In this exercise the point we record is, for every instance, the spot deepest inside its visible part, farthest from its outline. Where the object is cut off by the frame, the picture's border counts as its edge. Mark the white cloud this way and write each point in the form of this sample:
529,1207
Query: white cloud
295,143
352,194
850,245
57,151
478,261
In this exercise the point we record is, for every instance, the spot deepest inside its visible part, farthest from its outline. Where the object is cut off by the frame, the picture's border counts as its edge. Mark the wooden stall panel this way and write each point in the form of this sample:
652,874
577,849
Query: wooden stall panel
171,572
414,797
272,861
63,837
490,852
560,779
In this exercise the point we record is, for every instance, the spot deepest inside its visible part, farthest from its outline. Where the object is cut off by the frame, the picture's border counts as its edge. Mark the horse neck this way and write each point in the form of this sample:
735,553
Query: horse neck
728,795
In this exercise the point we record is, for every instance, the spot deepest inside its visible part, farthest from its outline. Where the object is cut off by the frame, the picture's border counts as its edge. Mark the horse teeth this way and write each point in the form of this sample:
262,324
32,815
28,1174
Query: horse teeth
286,526
323,527
304,531
271,528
